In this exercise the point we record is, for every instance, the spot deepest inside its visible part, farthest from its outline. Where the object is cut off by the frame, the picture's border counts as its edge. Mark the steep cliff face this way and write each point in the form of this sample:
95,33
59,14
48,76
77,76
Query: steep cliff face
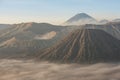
84,46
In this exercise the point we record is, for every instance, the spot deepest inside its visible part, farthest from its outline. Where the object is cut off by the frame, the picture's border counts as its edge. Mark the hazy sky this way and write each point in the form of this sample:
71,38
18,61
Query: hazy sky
56,11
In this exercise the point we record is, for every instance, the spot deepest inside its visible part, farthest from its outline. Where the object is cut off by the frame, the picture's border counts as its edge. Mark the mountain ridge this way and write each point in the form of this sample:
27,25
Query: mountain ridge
84,46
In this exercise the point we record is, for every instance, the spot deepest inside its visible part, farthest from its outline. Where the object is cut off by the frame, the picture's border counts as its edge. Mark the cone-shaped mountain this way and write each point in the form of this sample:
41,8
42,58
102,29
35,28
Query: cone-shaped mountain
80,16
80,19
84,46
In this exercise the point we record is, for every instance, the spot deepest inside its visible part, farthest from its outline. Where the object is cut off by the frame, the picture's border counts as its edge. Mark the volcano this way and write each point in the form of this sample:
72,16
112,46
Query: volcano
80,19
84,46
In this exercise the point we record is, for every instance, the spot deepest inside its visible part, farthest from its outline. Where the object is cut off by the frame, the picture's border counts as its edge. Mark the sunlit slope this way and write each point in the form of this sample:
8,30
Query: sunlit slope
84,46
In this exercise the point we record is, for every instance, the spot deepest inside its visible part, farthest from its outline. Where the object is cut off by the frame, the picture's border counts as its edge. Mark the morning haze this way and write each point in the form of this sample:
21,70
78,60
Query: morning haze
59,40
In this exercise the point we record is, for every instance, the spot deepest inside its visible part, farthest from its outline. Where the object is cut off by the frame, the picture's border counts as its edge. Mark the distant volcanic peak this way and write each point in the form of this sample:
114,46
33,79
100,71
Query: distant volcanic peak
83,15
84,46
79,17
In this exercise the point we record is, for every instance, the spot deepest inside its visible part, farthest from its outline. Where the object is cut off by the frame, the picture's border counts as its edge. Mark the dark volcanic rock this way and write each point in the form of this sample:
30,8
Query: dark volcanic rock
84,46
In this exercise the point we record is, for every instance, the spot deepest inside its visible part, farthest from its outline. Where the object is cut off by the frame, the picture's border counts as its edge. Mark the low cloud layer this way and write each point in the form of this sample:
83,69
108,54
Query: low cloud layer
29,70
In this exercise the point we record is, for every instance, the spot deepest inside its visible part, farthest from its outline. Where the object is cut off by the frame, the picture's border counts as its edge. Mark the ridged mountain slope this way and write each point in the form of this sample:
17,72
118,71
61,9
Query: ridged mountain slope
84,46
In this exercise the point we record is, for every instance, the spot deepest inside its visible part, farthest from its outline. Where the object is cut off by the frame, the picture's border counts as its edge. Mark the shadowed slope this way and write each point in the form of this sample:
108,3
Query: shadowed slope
84,46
